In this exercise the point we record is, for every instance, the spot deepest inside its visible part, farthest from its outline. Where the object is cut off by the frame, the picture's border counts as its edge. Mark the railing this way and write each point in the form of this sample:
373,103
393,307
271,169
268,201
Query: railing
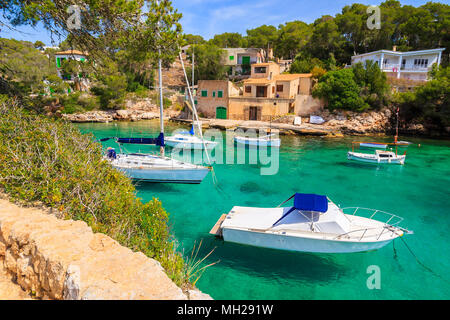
396,67
390,222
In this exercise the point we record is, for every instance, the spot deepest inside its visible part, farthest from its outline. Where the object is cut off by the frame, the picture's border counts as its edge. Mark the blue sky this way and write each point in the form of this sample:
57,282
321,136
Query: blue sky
210,17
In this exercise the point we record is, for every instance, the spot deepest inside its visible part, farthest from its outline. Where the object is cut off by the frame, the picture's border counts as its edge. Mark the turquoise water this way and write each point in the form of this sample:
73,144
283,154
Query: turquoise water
417,191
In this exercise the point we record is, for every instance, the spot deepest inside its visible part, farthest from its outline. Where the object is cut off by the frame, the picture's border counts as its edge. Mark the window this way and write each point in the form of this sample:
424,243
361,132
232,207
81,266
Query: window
58,62
279,88
260,69
231,58
219,94
423,63
248,89
204,93
273,89
214,94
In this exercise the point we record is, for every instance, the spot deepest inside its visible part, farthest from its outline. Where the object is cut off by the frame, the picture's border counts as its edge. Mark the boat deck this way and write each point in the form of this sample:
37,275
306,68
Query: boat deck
330,225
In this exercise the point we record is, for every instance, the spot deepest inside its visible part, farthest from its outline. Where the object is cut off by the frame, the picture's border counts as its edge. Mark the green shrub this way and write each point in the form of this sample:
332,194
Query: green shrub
49,160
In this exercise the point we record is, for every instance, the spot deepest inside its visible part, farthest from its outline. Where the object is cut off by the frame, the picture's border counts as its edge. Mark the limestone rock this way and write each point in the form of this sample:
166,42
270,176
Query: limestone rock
64,259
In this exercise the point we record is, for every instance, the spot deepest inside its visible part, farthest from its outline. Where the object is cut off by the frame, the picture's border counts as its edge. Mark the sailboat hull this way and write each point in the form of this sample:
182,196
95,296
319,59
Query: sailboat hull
188,176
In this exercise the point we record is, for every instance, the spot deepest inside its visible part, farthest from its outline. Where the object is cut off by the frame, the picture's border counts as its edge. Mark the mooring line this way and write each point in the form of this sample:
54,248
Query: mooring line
422,264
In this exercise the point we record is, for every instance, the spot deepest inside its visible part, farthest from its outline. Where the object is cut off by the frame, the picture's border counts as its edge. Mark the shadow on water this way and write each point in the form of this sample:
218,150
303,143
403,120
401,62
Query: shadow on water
144,186
286,265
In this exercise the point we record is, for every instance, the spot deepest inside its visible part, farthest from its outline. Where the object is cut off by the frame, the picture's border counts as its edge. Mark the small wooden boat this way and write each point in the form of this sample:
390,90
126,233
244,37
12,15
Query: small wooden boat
380,156
313,224
267,141
373,145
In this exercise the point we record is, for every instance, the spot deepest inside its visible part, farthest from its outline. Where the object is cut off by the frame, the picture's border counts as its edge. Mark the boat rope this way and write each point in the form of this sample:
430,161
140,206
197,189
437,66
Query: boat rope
422,264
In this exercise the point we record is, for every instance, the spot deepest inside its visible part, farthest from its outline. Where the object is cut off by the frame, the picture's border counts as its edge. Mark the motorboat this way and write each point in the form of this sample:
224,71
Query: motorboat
313,224
380,156
267,141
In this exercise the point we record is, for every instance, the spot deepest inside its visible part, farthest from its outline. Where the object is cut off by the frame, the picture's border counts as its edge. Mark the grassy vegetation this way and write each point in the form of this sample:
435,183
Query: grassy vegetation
49,160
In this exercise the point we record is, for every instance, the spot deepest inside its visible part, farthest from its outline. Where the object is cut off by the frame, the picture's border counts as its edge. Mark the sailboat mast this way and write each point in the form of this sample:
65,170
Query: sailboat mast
193,66
161,102
161,105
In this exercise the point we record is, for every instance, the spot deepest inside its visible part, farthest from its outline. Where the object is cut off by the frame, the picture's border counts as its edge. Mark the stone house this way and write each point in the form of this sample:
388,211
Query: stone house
212,97
266,94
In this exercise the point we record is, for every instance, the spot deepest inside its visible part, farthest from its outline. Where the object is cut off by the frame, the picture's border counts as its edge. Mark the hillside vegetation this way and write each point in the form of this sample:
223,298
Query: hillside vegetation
50,161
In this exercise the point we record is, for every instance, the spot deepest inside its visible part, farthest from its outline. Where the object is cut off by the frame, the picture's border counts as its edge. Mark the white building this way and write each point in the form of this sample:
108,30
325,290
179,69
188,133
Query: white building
411,65
81,83
69,55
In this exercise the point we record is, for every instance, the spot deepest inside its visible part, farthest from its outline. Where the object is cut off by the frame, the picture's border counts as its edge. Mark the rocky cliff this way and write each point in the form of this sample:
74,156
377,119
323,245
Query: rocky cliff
63,259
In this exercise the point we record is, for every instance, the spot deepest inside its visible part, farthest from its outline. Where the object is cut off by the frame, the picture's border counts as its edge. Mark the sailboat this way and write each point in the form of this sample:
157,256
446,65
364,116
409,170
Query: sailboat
188,140
155,168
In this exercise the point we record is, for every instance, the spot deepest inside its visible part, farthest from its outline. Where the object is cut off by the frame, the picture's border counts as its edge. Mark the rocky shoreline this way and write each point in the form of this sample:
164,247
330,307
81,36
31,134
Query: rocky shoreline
336,124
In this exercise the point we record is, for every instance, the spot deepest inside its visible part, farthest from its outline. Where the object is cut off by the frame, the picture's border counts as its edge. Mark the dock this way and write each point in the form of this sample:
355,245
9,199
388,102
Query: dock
283,128
217,230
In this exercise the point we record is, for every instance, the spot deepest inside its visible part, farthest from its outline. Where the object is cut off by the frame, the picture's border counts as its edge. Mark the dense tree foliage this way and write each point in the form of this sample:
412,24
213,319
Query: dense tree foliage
340,91
358,89
347,33
428,104
208,62
24,65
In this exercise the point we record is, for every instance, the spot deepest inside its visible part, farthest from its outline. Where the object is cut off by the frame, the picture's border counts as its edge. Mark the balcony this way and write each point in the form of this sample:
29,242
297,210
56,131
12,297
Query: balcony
392,67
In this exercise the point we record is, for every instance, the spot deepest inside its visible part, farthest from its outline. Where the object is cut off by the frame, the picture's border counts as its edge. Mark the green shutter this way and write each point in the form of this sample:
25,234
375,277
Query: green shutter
204,93
231,57
220,94
245,60
214,94
58,62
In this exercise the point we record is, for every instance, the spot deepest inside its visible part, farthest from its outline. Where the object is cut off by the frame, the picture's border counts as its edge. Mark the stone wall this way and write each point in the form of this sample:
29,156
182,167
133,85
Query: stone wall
63,259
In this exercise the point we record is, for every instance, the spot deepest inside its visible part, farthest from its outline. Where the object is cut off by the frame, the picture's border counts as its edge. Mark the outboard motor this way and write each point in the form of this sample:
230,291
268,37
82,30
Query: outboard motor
111,153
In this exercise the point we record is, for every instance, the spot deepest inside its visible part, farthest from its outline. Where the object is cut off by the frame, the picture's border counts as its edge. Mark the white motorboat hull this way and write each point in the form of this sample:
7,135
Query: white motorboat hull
258,142
296,243
291,229
371,158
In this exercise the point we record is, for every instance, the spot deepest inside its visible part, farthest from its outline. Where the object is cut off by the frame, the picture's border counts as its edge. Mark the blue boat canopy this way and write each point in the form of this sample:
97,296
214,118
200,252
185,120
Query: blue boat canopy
310,202
159,141
307,202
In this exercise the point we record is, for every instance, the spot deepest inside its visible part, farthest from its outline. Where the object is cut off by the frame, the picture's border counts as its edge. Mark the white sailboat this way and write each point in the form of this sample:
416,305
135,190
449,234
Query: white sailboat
155,168
188,140
313,224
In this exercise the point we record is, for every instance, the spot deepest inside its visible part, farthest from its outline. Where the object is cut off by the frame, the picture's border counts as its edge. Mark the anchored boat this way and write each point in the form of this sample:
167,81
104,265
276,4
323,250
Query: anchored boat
380,156
188,140
267,141
313,224
155,168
